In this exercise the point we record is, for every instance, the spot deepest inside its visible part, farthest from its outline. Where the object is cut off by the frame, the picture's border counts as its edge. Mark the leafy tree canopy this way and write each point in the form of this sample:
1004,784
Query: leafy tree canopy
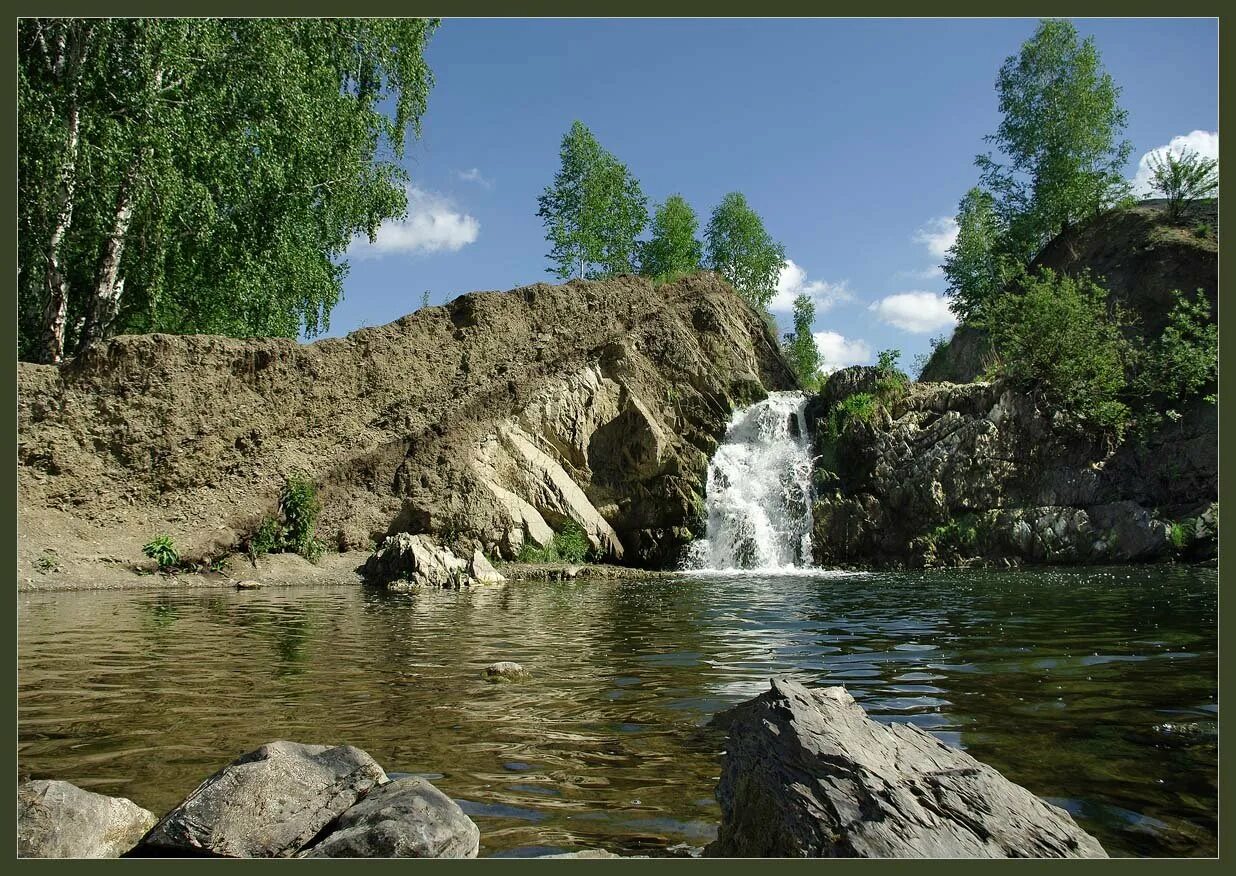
1183,177
799,346
593,211
742,251
1059,136
204,175
674,249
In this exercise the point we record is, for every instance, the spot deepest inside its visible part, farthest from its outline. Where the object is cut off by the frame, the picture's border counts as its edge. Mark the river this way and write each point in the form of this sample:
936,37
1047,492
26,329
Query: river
1095,688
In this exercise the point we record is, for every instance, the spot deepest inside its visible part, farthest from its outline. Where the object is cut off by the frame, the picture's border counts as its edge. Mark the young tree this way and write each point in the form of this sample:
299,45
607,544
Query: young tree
972,265
1183,177
593,210
1060,137
742,251
674,249
799,346
204,175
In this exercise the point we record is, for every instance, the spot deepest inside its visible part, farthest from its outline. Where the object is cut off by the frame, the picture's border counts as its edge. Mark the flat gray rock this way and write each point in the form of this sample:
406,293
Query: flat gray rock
60,820
808,775
269,803
406,818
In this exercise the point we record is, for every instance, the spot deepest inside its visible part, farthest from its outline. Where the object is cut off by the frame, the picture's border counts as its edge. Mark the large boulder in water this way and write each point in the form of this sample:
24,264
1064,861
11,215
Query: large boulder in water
60,820
269,803
407,818
808,775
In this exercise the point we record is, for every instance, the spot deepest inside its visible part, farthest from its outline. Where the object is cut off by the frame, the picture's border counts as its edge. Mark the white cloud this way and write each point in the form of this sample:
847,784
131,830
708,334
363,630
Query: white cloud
1204,142
432,225
839,352
474,175
792,282
918,312
932,273
938,235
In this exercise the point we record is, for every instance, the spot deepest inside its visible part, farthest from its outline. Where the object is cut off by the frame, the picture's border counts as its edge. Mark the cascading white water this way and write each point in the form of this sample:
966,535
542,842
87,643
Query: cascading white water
759,491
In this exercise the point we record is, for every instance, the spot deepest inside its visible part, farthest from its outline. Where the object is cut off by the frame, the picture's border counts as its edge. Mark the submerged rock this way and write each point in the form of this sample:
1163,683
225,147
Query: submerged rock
505,670
60,820
406,818
808,774
269,803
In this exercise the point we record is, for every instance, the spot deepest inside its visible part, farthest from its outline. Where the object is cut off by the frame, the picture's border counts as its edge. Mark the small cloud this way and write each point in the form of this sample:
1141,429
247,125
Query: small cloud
938,235
1206,143
918,312
432,225
473,175
838,351
792,282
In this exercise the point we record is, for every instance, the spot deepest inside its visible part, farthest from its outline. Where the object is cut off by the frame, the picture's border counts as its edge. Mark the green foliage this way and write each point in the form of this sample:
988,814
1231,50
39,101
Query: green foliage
593,210
674,250
1059,135
1183,360
1182,177
799,346
958,535
162,550
204,175
299,505
861,407
48,561
974,266
742,251
1182,533
570,545
268,538
938,343
891,384
1059,336
1203,230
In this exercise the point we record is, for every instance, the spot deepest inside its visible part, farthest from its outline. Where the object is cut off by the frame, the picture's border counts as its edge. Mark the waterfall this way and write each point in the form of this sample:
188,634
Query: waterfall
759,491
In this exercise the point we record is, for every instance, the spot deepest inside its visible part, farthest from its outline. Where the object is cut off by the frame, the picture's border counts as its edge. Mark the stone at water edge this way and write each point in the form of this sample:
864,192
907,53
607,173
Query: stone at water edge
60,820
269,803
249,584
505,670
482,571
406,818
807,774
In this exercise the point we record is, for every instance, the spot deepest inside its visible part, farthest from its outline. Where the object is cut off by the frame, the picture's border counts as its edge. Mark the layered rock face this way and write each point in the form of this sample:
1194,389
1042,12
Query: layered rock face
808,775
488,421
954,473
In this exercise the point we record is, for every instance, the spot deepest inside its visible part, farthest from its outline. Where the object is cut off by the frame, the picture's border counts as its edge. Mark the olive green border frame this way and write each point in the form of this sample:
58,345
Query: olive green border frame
628,8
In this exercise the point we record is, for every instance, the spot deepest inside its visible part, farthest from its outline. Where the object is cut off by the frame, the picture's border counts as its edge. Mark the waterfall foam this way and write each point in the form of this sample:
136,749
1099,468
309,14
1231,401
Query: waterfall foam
759,491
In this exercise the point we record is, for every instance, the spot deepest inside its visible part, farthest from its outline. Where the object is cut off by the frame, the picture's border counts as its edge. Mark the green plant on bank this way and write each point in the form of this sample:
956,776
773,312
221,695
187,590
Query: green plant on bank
299,507
163,551
1182,533
48,562
569,545
959,534
1182,177
1203,230
861,407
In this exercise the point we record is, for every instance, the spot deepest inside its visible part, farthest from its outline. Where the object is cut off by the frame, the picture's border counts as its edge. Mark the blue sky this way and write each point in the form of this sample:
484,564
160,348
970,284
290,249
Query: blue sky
854,140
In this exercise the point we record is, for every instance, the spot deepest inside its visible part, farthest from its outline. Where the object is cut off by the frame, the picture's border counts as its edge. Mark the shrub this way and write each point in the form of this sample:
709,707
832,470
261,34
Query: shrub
569,545
1183,177
1182,361
1182,533
299,508
1058,335
162,551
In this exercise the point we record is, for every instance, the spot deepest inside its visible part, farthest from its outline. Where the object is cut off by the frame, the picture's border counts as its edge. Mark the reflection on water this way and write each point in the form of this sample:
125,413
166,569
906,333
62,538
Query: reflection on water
1097,689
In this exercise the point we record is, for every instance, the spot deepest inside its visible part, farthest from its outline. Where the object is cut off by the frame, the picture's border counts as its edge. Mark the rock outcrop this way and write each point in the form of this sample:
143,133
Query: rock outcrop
977,472
808,775
59,820
406,562
488,421
406,818
270,803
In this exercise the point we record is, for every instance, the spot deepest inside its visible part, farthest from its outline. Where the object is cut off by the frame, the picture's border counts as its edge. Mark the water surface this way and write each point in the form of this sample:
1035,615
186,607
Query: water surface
1074,683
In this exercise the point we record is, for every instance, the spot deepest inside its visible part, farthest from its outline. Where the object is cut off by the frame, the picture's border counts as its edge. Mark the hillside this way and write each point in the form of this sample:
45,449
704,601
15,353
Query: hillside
491,420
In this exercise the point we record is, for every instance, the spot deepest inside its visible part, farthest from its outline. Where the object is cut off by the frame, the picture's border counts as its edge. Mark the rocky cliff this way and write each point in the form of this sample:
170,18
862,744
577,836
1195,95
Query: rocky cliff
489,421
950,474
